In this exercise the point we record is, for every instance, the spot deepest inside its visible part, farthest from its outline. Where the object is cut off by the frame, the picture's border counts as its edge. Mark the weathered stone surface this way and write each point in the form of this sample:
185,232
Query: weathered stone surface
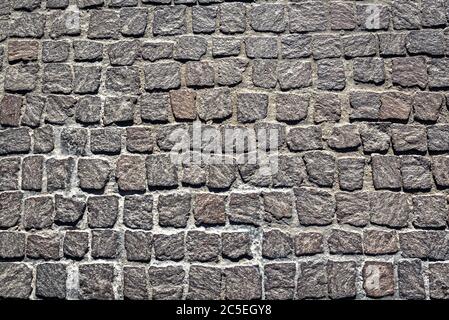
44,245
209,209
154,51
276,244
93,173
74,141
378,279
440,167
326,46
415,172
64,23
305,138
9,169
437,71
244,208
169,246
410,280
369,70
410,72
203,246
190,48
105,141
19,286
10,208
351,173
264,73
430,211
27,25
342,279
174,210
130,173
362,45
236,245
375,137
278,207
76,244
102,211
353,208
438,280
86,50
161,173
291,107
308,16
59,173
12,245
437,138
32,113
409,138
96,281
261,47
169,20
204,283
373,16
390,209
203,19
19,50
58,78
344,137
425,42
103,24
308,243
314,206
242,282
154,107
199,74
386,172
55,51
229,71
138,245
324,149
166,282
69,210
279,281
135,283
21,77
133,21
251,107
345,242
424,244
214,104
312,280
51,280
327,107
162,76
377,242
392,44
38,212
59,109
232,18
294,74
105,244
406,14
427,106
267,18
331,74
320,168
296,46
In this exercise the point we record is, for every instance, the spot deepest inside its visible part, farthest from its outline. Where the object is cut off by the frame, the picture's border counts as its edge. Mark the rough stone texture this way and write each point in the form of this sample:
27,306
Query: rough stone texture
348,100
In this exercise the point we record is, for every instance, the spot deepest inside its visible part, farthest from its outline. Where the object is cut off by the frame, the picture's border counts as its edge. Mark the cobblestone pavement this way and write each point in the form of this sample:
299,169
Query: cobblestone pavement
92,206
